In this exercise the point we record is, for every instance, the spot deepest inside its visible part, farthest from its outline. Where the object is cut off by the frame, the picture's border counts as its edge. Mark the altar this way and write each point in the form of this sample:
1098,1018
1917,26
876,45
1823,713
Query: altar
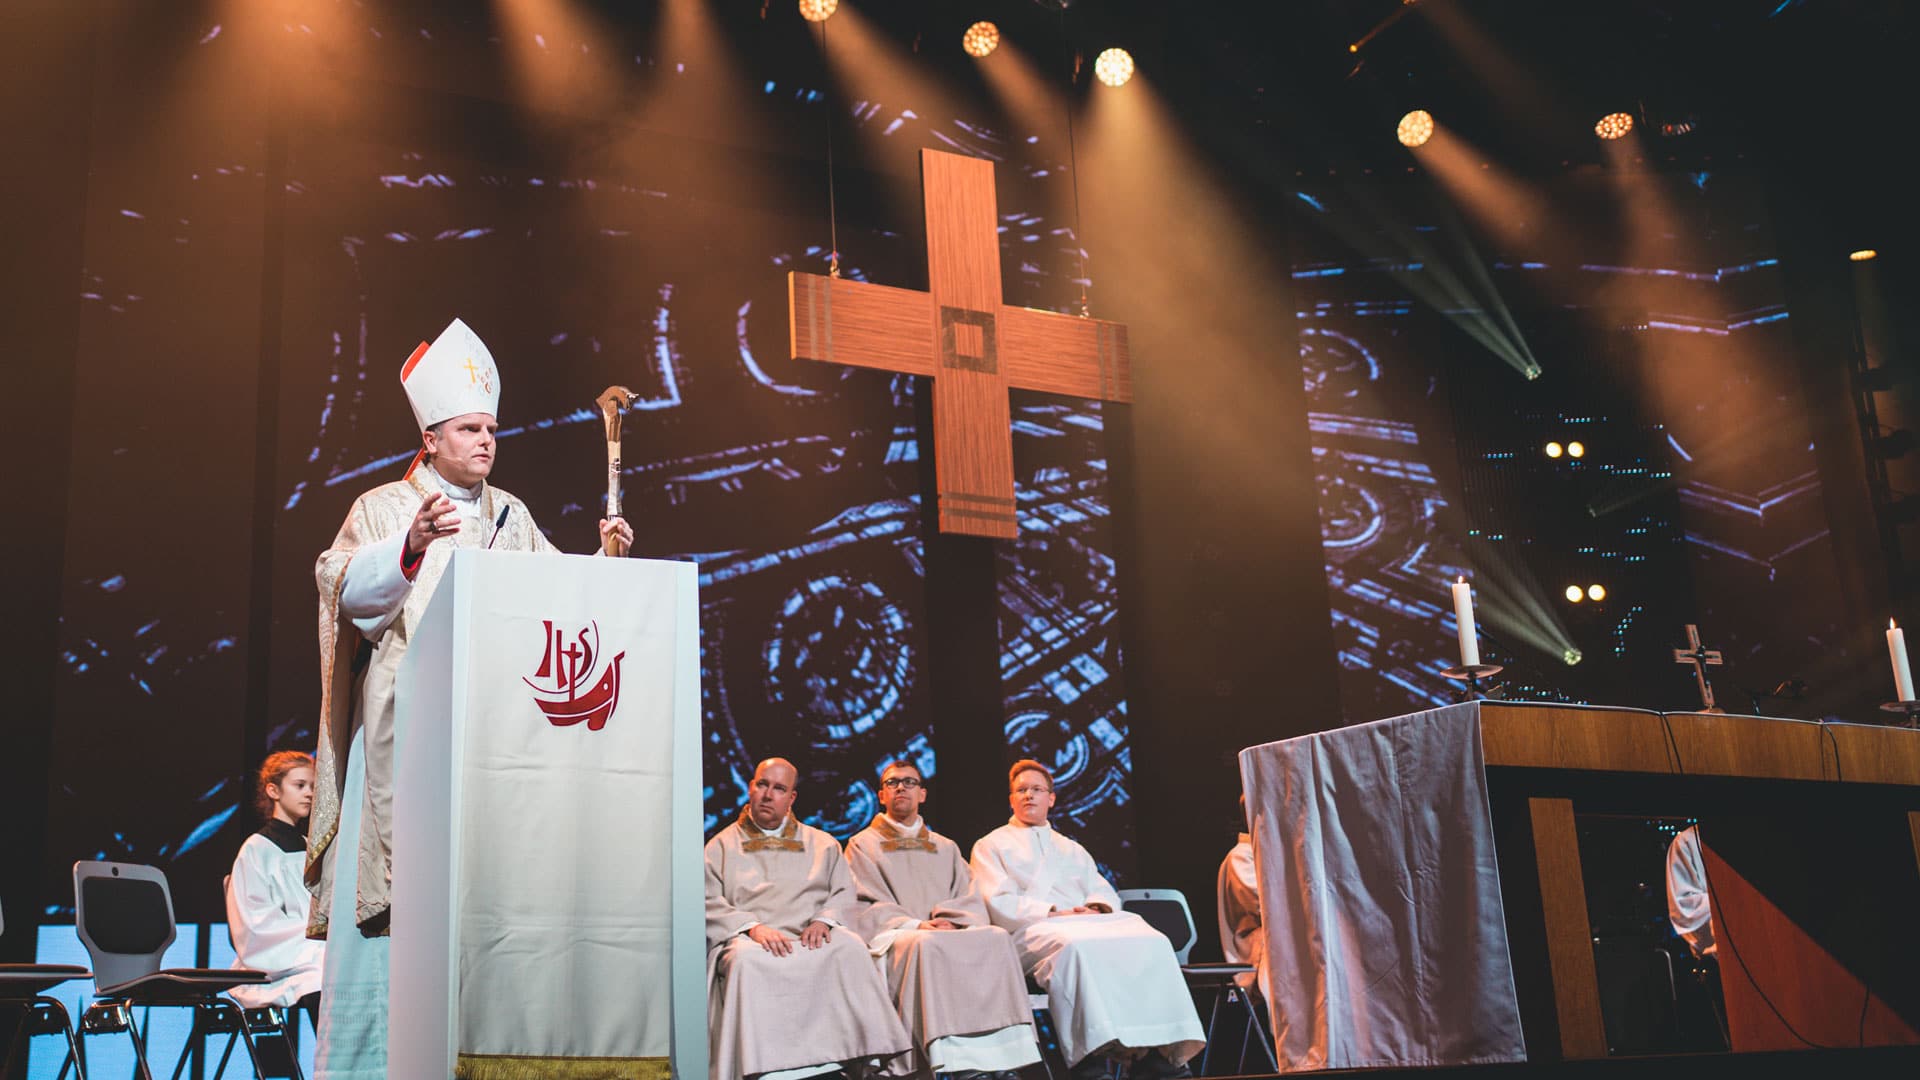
1423,896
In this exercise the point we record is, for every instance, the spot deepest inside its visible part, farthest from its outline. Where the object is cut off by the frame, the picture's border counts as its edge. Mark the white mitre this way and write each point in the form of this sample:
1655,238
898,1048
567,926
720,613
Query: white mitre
452,377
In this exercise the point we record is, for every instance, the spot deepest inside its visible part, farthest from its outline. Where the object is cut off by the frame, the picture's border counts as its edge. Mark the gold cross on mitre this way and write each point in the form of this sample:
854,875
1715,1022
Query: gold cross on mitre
1701,659
960,335
479,376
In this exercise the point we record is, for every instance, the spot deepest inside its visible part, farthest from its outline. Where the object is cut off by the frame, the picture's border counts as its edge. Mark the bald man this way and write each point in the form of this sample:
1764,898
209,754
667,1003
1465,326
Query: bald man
791,992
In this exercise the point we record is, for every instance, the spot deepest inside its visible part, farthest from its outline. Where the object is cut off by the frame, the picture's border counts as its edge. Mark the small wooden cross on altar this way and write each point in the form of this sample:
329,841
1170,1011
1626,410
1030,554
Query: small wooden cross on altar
959,333
1701,659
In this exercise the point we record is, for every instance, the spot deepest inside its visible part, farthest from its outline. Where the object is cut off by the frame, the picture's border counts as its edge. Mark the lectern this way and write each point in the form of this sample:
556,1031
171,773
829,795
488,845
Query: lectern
548,885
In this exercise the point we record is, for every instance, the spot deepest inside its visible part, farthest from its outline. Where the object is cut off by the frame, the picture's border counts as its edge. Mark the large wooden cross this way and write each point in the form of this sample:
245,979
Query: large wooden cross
959,334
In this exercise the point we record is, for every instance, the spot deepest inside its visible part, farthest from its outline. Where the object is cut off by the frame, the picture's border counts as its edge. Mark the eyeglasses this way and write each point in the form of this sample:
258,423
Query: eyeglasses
1025,791
908,782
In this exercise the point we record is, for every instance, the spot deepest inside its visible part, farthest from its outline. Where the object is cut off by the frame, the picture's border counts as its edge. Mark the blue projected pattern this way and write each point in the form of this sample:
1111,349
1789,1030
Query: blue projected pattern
1698,498
1388,553
1060,664
795,486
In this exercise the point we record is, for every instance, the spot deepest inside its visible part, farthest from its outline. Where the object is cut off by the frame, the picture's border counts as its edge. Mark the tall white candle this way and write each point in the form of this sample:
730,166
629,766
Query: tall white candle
1463,614
1902,674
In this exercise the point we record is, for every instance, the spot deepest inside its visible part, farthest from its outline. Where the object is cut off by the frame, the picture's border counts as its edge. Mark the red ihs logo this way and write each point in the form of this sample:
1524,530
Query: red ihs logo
565,668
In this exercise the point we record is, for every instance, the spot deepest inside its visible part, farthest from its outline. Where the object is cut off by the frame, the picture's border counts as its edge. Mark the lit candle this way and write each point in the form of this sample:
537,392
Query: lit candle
1902,675
1463,614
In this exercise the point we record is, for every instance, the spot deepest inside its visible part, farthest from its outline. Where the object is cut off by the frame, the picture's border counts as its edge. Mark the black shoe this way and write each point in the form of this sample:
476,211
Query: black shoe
1091,1067
1155,1066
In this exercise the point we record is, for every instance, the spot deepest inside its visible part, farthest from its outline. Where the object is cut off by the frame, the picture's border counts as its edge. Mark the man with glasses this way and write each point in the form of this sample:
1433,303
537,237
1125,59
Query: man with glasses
1113,985
953,975
791,991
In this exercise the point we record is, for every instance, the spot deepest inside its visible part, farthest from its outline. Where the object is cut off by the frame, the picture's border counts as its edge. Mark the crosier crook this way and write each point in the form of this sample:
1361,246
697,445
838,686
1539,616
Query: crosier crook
613,402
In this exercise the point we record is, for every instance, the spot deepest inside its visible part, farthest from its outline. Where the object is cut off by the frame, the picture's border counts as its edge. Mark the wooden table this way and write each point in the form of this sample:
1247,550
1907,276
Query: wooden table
1550,754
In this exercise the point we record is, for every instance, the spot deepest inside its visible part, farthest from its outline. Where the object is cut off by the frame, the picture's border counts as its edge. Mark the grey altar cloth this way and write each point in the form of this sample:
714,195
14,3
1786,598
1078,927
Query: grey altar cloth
1380,896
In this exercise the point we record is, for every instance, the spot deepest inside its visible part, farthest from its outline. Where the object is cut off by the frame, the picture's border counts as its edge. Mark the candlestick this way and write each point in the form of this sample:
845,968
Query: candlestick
1463,614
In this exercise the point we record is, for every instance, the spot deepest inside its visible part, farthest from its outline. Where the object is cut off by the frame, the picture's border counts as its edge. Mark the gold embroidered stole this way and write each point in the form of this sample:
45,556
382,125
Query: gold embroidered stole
752,839
892,839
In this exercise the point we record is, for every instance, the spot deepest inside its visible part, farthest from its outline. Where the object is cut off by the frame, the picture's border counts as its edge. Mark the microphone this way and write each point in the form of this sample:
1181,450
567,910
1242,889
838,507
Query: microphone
498,525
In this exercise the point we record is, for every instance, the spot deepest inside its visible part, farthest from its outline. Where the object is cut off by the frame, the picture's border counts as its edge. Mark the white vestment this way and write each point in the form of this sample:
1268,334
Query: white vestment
1238,887
1689,908
959,992
1112,981
267,917
368,610
784,1017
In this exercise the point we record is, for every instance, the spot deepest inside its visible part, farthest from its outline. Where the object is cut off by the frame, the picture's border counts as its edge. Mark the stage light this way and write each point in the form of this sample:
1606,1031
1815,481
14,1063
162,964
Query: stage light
1576,449
1415,128
1554,450
981,39
818,10
1114,67
1614,125
1572,657
1863,255
1596,593
1574,595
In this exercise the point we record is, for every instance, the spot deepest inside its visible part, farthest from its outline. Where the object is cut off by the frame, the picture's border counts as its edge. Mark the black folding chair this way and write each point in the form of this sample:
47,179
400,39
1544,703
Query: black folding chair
24,987
1166,910
123,913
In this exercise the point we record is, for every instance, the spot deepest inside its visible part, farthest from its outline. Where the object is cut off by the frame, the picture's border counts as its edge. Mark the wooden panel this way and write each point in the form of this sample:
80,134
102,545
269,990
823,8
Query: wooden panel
1563,900
856,323
1065,354
1712,744
1877,755
1913,826
1786,975
1757,747
1611,740
972,423
963,235
973,456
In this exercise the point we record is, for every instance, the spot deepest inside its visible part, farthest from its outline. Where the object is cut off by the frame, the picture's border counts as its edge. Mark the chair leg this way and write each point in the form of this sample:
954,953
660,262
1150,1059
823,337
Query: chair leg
288,1022
196,1032
281,1021
1260,1029
246,1036
42,1016
73,1045
226,1053
140,1070
1213,1017
19,1039
1045,1033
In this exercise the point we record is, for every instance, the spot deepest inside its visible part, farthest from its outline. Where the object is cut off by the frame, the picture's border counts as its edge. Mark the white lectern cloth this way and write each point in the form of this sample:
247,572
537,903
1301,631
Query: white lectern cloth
559,883
1380,896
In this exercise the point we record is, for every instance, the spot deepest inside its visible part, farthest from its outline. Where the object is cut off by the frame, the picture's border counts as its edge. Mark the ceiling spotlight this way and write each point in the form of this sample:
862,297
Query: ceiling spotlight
1114,67
1415,128
1574,595
1863,255
1576,449
1571,657
818,10
1614,125
981,39
1554,450
1596,593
